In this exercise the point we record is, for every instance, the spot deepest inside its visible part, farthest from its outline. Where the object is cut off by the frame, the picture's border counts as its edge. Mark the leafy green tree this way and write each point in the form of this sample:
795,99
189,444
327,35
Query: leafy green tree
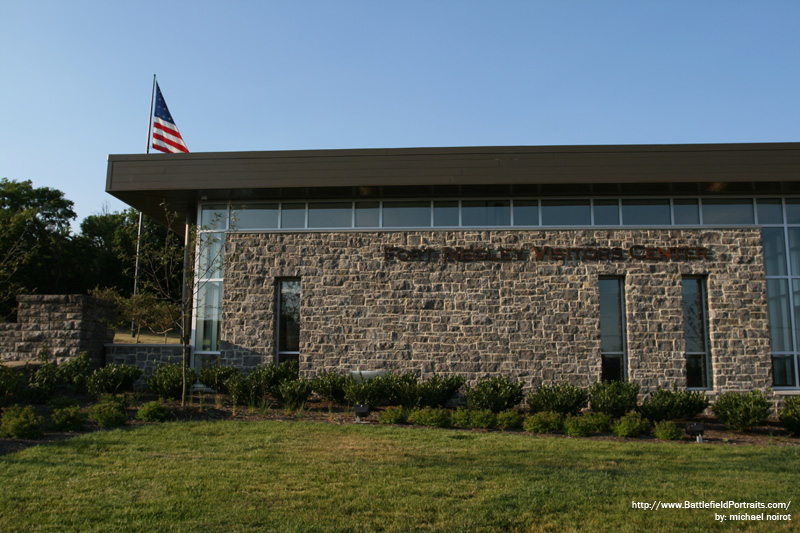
34,237
107,241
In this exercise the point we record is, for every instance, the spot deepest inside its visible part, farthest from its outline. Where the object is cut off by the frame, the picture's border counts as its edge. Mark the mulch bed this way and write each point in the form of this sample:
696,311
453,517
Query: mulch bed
213,407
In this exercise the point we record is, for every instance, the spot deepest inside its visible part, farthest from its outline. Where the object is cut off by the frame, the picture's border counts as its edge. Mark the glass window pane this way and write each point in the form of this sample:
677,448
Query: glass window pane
566,213
330,215
730,211
209,309
289,316
406,214
610,315
686,212
769,211
491,213
259,216
445,213
778,307
606,213
774,251
693,315
793,210
293,216
367,214
213,217
645,212
794,249
783,374
696,370
211,255
526,213
796,290
612,368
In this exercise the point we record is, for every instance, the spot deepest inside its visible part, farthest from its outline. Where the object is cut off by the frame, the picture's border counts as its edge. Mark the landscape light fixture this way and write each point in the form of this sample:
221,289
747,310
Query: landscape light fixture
696,430
361,409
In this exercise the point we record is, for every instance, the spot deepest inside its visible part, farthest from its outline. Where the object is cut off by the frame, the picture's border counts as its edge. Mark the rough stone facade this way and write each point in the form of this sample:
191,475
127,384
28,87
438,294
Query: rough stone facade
67,324
405,301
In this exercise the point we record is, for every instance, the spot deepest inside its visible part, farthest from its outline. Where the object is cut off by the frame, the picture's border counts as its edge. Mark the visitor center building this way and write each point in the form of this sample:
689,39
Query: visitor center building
664,265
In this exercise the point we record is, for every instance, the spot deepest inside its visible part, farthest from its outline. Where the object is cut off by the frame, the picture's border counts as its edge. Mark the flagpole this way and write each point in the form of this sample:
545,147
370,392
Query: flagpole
150,116
139,230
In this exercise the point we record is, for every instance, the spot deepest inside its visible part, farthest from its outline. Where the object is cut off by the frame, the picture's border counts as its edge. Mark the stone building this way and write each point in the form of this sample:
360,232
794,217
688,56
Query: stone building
667,265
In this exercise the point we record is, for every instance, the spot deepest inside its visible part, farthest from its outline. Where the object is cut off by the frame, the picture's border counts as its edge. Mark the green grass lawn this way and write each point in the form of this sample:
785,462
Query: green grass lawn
304,476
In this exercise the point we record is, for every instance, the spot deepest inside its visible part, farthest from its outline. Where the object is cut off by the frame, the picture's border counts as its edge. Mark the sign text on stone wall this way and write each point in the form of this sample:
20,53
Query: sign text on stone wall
635,252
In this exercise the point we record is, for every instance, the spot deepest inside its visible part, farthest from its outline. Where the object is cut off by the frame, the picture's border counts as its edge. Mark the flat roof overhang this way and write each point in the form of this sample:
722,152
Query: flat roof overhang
145,181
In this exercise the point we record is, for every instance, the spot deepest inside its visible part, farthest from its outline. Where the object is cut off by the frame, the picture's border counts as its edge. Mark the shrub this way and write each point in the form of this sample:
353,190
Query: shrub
12,385
113,378
740,412
689,404
430,416
330,387
109,413
154,412
631,425
668,405
294,393
496,393
577,426
69,418
614,398
365,391
20,423
399,389
482,419
265,381
460,417
43,382
789,414
667,430
660,405
216,377
509,419
563,398
394,415
598,422
437,391
76,371
167,380
59,402
237,387
544,422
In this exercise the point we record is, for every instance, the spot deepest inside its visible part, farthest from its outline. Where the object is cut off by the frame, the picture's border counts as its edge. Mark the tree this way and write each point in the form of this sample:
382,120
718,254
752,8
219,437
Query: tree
34,235
108,243
167,276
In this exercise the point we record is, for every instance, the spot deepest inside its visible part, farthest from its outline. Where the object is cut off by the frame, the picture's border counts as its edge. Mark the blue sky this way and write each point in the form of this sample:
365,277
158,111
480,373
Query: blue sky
283,75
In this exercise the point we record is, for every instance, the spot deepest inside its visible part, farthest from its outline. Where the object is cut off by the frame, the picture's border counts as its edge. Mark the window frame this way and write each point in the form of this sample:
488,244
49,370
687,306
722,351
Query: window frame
622,356
705,355
286,355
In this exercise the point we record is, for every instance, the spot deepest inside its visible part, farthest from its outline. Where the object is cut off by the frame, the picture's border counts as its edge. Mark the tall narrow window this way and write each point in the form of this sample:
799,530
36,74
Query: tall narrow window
288,314
695,330
612,328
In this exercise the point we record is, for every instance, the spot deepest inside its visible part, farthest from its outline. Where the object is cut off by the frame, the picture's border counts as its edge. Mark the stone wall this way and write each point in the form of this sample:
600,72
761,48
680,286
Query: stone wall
406,301
67,324
146,356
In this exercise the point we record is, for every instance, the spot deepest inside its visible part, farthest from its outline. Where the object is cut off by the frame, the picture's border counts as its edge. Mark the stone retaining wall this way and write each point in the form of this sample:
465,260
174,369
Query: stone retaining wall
67,324
503,311
146,356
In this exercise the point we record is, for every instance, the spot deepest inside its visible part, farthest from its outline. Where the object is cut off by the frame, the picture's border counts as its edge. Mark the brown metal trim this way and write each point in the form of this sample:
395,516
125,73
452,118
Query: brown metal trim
141,179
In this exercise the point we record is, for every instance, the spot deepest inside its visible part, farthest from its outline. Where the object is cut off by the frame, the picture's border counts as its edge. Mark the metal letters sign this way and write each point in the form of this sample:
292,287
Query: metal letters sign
636,252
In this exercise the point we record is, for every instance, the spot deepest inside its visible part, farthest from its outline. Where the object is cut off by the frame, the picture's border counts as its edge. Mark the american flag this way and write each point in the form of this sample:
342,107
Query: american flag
166,136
